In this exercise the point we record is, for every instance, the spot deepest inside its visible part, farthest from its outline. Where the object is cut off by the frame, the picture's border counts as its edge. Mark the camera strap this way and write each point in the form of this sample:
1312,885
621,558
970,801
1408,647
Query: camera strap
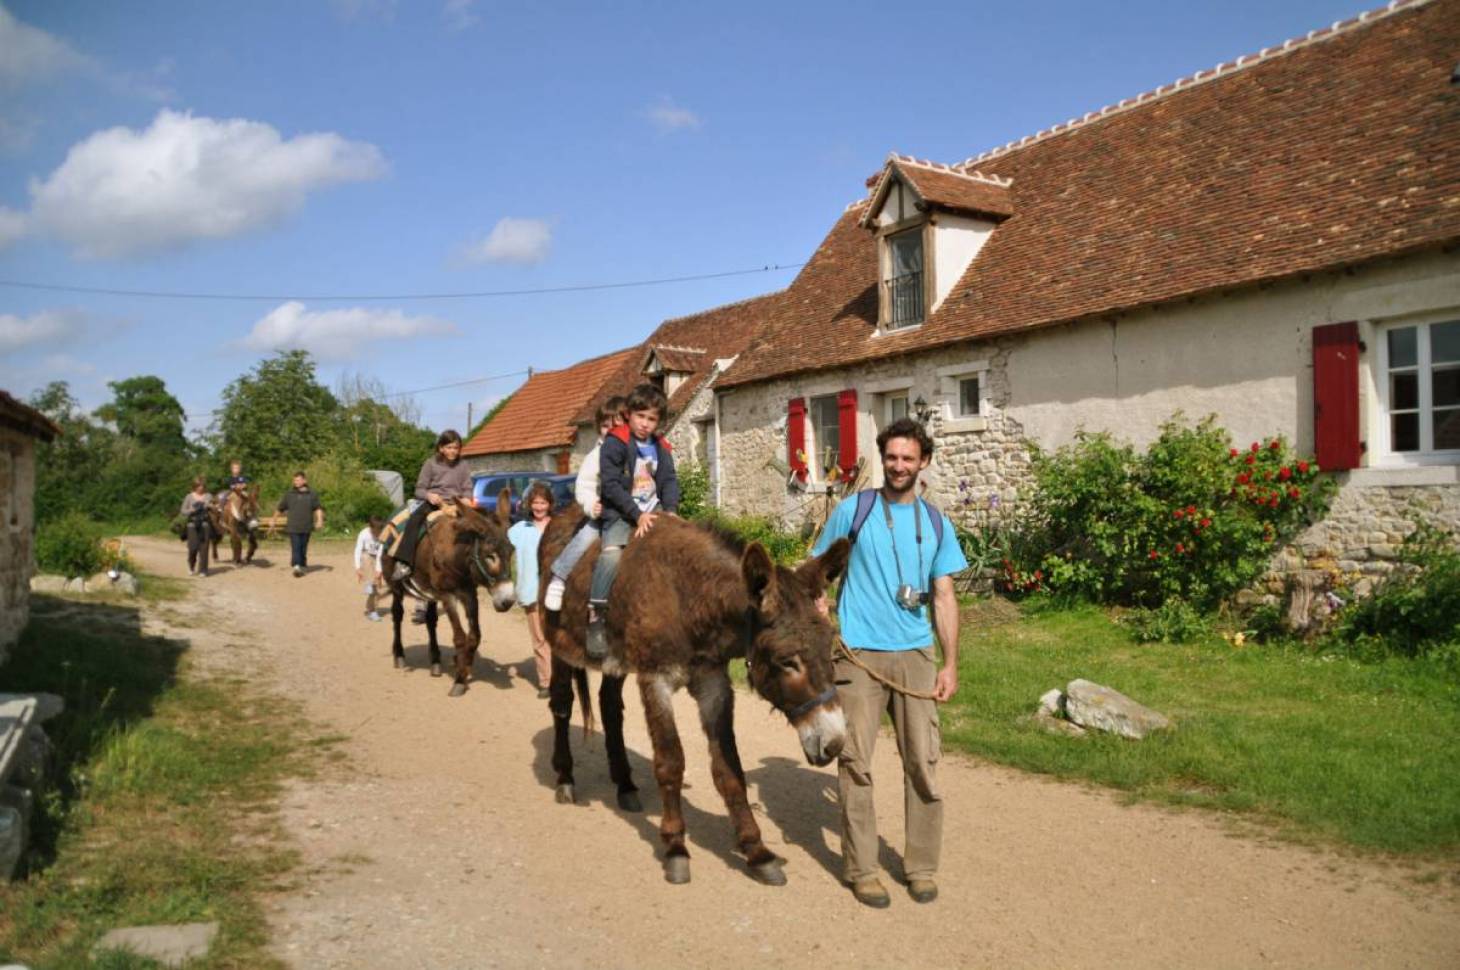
917,532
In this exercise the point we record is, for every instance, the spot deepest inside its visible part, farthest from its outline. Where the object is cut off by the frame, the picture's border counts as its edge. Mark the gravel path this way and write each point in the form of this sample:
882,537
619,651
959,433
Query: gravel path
436,843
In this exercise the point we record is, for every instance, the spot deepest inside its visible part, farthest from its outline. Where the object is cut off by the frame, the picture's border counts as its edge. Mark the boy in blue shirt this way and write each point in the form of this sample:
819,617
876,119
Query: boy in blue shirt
901,570
636,472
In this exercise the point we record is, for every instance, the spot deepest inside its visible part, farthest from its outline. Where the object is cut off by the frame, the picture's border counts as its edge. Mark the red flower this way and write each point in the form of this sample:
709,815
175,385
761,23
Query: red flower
1256,446
1274,502
1178,513
1180,547
1234,453
1205,523
1039,574
1191,510
1274,445
1251,459
1284,473
1154,555
1244,477
1294,493
1303,467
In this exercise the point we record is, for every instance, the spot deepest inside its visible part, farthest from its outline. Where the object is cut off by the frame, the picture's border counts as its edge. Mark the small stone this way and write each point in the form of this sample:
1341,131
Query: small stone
76,585
47,584
1101,708
170,945
1053,701
1057,725
12,840
125,583
1382,551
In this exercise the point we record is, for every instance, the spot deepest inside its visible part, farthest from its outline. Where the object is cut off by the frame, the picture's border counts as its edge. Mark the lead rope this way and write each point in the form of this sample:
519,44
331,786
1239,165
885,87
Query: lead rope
846,652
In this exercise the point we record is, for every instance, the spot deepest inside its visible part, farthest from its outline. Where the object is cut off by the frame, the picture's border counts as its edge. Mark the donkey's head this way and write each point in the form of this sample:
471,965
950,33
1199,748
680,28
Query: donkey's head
789,658
487,548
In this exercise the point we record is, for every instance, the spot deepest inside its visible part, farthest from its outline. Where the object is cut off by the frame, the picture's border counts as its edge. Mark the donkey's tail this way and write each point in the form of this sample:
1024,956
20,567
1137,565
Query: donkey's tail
585,699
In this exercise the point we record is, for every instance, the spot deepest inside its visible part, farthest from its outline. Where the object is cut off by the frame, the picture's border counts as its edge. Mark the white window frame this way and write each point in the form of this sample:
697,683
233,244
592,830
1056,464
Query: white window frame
1381,451
948,399
814,444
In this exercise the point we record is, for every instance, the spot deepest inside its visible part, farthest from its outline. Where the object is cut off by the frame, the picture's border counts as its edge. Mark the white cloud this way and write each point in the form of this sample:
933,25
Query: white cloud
122,192
364,9
12,226
337,334
30,55
513,240
459,14
65,364
668,116
47,328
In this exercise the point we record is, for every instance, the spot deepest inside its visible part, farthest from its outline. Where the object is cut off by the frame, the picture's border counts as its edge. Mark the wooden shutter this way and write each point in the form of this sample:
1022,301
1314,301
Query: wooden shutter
565,462
846,418
1336,396
796,437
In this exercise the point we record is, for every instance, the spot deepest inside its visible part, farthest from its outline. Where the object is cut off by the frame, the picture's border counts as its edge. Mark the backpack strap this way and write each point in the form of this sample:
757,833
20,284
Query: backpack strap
867,500
936,518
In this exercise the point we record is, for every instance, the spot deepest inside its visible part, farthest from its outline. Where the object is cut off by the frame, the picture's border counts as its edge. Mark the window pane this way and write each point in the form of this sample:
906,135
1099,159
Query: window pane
907,252
1447,429
1405,433
897,407
1402,351
1403,391
1445,343
968,396
1445,389
827,430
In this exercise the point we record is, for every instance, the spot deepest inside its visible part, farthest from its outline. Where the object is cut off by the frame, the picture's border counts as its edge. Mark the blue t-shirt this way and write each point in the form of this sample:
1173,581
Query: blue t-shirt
525,537
870,617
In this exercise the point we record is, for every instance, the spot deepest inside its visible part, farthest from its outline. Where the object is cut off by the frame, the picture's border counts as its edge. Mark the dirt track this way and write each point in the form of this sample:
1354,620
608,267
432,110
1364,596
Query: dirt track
439,843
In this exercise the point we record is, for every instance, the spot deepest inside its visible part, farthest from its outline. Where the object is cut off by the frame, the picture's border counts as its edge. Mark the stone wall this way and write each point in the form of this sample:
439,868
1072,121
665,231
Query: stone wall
17,532
543,460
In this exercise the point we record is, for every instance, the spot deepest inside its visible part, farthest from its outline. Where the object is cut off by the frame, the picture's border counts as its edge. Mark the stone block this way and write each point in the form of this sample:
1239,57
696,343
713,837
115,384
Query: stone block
75,585
47,584
1102,708
1383,551
170,945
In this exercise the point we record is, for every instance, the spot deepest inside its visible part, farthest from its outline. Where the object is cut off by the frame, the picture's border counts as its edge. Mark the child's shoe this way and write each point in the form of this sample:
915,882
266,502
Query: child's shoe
596,641
552,600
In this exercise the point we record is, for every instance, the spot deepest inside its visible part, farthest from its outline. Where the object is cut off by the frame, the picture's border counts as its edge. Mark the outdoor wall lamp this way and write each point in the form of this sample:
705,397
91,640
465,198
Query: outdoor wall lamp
921,409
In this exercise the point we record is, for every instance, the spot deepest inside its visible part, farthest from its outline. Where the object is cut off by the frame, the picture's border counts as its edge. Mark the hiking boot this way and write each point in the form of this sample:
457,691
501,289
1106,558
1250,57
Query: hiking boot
402,573
870,892
596,642
922,890
552,600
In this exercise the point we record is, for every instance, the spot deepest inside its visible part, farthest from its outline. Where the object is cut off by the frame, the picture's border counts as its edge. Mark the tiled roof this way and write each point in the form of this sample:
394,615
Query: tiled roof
27,419
945,187
1326,152
723,331
678,359
540,413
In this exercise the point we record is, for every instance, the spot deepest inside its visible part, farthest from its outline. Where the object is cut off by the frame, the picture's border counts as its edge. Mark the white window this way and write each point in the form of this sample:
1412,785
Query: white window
968,400
826,434
1419,390
896,406
902,281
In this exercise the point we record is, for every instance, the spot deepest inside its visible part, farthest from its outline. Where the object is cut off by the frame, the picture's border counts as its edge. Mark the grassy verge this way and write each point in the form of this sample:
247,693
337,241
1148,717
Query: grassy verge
167,783
1365,754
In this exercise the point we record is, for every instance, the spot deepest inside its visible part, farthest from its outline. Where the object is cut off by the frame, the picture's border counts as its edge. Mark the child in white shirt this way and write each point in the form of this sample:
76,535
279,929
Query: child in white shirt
585,490
368,548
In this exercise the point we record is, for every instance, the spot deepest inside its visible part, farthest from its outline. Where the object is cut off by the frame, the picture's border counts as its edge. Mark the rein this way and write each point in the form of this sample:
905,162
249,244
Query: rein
846,652
476,560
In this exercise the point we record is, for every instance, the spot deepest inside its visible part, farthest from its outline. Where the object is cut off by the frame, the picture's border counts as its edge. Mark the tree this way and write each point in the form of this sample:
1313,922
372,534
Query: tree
278,414
142,409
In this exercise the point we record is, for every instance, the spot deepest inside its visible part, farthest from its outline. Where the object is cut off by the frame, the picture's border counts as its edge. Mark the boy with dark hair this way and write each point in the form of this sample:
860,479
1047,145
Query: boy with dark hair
585,490
637,471
303,514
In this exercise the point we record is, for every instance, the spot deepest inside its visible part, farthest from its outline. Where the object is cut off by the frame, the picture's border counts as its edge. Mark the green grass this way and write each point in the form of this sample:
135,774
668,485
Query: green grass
1327,748
164,810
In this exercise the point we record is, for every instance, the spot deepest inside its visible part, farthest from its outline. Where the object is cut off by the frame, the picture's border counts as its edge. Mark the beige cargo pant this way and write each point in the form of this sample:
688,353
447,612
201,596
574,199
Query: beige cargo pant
919,741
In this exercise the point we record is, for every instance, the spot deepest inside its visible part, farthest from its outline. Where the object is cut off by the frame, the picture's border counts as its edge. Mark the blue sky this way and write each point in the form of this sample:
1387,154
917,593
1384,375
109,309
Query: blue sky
371,147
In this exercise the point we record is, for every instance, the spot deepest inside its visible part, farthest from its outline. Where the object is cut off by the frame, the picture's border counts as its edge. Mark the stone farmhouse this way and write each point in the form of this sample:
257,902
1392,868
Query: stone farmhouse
20,428
1275,241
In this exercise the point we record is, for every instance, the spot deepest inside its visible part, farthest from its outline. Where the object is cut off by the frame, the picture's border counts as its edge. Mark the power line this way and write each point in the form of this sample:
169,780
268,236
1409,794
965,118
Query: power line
442,387
378,297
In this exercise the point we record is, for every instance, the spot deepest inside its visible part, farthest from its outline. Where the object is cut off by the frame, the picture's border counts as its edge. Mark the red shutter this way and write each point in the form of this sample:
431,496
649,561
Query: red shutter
565,462
796,437
1336,396
846,419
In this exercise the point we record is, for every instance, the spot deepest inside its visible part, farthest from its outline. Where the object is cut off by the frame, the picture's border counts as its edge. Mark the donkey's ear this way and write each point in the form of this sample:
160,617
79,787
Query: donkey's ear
504,507
825,568
464,507
756,567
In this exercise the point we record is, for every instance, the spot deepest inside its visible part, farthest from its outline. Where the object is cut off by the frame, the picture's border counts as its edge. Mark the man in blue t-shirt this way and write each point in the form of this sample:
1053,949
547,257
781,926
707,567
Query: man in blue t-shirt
901,569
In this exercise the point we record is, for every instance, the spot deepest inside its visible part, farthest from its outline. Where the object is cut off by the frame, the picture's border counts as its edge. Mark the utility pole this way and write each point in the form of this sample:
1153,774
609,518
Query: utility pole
468,417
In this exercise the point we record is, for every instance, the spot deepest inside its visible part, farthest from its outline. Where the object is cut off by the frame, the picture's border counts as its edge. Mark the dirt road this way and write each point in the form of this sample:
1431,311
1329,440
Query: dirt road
438,843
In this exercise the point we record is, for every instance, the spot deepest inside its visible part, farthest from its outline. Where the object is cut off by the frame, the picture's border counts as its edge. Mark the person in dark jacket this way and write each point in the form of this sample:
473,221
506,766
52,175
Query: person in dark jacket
637,483
197,528
303,514
444,478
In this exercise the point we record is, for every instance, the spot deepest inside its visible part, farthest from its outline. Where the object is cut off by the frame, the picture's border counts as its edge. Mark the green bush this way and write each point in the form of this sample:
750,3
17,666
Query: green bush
1174,621
694,490
68,546
1413,612
349,496
786,548
1192,518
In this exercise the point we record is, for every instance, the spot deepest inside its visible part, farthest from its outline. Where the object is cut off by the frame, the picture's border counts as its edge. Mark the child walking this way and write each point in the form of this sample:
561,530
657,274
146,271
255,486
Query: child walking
638,482
585,490
368,551
525,537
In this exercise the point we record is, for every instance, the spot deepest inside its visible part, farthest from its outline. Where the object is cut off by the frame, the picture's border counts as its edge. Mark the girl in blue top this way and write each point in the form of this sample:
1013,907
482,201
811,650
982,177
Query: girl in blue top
525,536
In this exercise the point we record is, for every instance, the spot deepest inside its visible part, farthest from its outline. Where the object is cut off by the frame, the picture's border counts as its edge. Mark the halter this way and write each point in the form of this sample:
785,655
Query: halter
476,560
751,625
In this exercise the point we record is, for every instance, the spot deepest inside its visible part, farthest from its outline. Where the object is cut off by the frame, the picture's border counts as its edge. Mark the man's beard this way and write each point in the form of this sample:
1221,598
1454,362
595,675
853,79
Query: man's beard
887,483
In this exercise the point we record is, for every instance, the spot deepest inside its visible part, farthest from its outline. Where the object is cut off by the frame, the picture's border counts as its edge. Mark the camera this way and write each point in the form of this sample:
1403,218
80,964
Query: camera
910,597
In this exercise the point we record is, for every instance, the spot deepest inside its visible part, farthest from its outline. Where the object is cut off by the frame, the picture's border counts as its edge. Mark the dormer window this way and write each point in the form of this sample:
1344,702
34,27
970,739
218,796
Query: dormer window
902,282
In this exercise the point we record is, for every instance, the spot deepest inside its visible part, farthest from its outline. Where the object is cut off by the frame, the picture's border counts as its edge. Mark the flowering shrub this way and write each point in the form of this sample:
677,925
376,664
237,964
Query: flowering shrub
1193,517
994,535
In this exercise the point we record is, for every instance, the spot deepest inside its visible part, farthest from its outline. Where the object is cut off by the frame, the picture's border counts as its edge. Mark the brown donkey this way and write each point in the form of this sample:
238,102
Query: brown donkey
239,518
687,600
460,553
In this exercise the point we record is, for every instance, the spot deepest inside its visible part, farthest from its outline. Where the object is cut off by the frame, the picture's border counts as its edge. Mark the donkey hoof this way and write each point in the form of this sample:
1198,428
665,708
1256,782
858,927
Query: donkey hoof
676,869
435,670
629,801
400,663
769,873
565,795
457,689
